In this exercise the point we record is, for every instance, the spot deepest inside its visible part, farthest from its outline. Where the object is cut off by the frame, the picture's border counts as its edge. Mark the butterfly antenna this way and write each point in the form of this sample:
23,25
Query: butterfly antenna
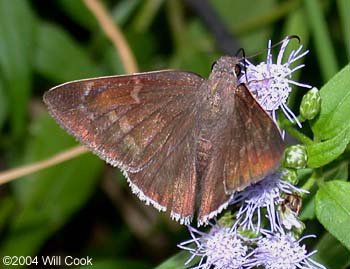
289,37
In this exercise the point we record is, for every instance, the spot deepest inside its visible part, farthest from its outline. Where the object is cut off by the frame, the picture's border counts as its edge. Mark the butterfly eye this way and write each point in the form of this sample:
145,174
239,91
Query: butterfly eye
212,66
237,70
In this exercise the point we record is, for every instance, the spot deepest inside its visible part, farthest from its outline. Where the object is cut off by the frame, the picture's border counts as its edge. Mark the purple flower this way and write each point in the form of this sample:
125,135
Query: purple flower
282,251
220,248
271,83
267,194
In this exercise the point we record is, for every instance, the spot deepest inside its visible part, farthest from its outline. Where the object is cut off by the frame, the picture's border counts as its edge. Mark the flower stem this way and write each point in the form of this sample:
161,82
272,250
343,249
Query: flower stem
298,135
287,125
316,177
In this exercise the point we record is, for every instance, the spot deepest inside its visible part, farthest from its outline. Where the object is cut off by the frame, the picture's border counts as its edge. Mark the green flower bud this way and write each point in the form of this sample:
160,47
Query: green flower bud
290,175
310,104
295,157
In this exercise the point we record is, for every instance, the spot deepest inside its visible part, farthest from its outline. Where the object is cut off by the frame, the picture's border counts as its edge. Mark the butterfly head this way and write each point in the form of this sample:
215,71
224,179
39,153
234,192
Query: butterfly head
226,67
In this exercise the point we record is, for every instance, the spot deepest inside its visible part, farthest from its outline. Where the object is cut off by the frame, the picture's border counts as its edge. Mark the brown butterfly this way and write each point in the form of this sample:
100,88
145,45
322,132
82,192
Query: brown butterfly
184,143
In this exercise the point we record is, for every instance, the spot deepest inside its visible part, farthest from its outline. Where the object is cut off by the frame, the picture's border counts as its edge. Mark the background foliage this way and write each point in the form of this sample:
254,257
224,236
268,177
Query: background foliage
84,207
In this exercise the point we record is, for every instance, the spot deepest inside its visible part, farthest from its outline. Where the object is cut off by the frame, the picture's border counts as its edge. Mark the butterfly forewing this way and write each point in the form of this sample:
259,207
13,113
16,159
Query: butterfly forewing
146,124
124,119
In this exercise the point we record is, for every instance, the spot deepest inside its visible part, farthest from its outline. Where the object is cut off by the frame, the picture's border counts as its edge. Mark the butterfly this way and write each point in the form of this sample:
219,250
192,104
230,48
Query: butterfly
184,143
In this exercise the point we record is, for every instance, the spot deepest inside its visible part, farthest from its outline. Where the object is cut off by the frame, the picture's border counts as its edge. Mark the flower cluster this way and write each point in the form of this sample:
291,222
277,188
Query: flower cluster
246,243
271,82
225,248
264,231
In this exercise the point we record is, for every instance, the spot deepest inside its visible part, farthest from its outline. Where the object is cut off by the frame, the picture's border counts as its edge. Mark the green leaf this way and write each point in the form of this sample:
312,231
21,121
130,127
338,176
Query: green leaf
7,204
336,170
194,55
323,153
60,58
327,249
123,11
48,198
322,36
178,261
335,106
332,206
344,15
295,25
112,60
17,32
256,21
145,15
78,12
3,104
308,209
